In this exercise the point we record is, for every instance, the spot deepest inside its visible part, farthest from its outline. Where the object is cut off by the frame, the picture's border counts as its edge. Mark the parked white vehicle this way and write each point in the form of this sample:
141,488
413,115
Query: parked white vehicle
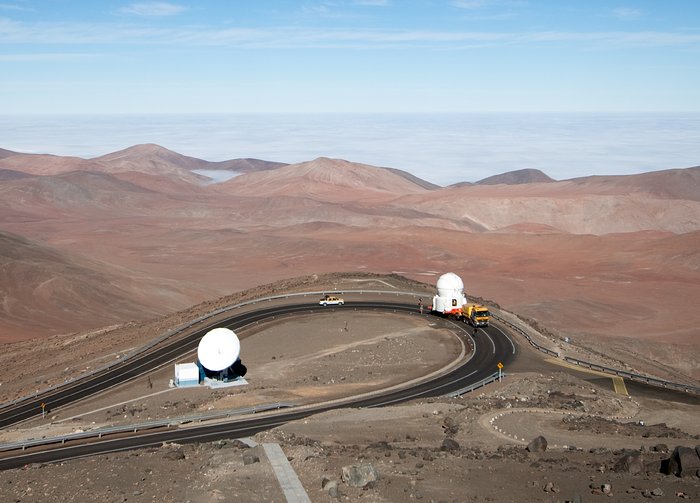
331,300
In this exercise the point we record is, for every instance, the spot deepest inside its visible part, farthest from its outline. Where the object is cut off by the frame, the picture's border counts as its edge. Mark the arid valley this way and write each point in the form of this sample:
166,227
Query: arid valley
101,255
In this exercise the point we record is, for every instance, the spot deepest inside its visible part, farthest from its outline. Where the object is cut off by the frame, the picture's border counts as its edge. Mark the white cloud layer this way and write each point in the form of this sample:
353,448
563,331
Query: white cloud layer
440,148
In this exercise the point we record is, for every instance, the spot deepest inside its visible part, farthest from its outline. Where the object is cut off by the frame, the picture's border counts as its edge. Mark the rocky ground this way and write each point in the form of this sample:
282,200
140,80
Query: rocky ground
431,450
601,446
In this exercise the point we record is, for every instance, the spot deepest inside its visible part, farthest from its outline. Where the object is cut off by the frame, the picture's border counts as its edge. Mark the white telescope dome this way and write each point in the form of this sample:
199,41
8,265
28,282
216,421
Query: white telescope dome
218,349
448,284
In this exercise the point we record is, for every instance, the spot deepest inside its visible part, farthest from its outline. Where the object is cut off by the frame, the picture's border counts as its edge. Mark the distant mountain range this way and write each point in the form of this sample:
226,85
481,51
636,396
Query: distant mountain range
137,233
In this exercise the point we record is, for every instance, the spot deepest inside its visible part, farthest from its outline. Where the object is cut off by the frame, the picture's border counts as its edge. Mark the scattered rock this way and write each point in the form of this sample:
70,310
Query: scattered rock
330,487
632,463
537,444
359,475
249,458
450,425
382,445
174,454
660,448
549,487
449,445
606,488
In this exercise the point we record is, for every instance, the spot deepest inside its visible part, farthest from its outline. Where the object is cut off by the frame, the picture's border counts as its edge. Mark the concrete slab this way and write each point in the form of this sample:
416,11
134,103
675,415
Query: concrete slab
286,476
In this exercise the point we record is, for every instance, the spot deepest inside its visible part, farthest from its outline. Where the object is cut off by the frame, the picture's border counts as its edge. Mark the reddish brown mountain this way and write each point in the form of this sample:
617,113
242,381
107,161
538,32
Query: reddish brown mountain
332,180
44,164
6,153
247,165
557,251
517,177
661,201
669,183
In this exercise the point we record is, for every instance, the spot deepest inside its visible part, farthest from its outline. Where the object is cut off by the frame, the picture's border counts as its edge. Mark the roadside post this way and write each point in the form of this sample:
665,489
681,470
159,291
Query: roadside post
43,410
500,367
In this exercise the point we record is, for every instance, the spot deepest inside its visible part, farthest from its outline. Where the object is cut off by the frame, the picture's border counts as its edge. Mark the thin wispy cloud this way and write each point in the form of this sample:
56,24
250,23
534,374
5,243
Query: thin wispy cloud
626,13
483,4
15,7
58,56
294,38
470,4
372,3
152,9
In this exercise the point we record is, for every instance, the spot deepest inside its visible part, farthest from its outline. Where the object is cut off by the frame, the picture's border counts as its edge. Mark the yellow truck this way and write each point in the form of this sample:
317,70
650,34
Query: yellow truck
476,315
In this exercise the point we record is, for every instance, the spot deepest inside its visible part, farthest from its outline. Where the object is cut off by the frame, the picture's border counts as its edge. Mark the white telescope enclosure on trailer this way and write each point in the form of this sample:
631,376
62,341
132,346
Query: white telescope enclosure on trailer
450,294
218,349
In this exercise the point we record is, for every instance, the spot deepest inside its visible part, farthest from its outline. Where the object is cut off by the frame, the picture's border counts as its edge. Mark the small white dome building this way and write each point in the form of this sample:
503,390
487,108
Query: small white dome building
218,355
450,294
218,349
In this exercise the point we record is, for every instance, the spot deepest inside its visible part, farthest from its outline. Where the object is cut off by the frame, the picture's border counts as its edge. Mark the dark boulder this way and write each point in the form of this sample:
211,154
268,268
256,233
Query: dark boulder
632,463
684,461
449,445
537,444
450,425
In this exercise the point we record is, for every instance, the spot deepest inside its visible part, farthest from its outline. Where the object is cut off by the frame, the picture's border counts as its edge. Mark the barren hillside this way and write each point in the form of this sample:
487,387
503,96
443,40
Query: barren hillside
46,292
332,180
663,201
517,177
582,257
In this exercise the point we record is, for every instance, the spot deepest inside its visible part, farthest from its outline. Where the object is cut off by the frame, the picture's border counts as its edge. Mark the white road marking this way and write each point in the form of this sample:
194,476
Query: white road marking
506,336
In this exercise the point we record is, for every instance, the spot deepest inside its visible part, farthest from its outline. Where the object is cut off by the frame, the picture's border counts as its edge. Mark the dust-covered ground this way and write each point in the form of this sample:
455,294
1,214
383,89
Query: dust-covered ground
472,448
431,450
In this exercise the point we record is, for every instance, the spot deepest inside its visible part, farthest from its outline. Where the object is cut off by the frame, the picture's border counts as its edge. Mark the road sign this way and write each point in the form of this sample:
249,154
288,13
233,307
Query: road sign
500,365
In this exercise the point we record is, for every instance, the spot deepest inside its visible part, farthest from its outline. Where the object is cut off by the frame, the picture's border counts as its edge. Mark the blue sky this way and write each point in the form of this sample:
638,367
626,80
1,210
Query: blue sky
367,56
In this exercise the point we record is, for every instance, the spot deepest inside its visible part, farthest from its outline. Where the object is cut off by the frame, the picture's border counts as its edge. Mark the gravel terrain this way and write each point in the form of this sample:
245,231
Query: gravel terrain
473,448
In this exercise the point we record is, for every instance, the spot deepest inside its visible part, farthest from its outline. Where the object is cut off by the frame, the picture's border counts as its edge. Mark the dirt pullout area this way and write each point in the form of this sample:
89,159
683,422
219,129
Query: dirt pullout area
430,450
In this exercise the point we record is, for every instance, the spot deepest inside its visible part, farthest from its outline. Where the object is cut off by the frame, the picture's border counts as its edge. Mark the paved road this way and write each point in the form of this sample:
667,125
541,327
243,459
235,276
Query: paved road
491,347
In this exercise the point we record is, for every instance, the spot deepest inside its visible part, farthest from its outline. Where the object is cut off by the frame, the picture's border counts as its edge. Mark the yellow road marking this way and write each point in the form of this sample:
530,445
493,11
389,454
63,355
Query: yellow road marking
618,382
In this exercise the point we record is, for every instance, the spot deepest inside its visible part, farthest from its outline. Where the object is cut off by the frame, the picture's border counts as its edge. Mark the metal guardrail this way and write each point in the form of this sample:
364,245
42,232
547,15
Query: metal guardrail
149,425
634,376
468,389
190,324
526,335
601,368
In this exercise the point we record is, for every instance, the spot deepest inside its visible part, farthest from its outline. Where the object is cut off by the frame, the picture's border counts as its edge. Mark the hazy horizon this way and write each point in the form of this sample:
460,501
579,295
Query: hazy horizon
440,148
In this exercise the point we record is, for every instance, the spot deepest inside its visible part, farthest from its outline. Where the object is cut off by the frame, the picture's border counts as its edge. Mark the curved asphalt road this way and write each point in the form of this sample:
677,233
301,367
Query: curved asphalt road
491,348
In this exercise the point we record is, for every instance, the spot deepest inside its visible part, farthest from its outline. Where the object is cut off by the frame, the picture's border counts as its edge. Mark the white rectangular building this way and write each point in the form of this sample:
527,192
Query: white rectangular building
186,374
